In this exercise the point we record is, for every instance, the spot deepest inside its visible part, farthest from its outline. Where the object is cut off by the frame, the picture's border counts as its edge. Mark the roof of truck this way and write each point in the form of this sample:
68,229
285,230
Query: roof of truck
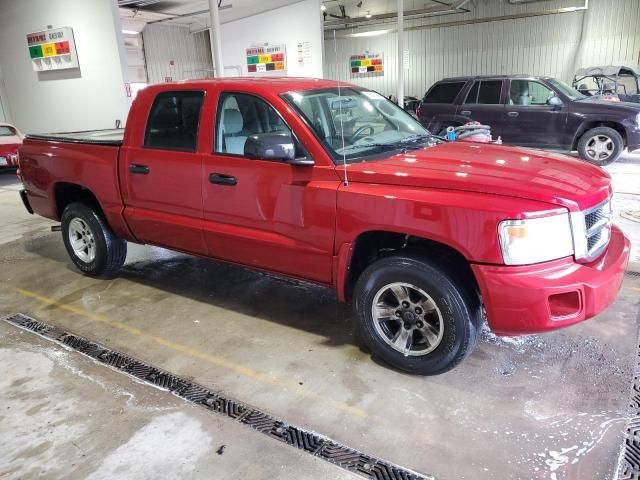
272,83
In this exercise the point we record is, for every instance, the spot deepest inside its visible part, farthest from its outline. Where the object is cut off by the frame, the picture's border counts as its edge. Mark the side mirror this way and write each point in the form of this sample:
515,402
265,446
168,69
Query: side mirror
555,102
273,146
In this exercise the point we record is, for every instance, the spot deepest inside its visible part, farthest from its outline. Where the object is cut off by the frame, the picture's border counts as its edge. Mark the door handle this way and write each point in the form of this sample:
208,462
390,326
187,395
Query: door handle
466,113
513,114
222,179
140,169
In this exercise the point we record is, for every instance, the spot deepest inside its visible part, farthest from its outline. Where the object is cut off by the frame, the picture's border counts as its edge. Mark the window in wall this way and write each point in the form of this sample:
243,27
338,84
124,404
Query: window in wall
173,121
241,115
444,92
528,92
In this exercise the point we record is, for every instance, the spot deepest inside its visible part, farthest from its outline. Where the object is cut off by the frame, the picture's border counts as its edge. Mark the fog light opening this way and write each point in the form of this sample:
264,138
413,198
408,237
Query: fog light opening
565,305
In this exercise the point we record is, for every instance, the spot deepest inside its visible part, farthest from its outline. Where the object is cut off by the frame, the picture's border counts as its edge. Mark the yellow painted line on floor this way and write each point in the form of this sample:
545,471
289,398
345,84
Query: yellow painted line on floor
635,289
193,352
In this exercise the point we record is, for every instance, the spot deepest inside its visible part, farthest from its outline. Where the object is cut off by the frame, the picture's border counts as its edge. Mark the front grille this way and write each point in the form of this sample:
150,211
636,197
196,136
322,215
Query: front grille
592,231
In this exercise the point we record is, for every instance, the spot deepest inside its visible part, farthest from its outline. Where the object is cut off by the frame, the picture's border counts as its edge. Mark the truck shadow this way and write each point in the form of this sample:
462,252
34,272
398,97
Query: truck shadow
288,302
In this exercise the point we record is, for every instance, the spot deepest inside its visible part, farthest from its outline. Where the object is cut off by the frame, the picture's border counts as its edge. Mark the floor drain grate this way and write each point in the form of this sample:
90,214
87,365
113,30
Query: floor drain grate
313,443
629,273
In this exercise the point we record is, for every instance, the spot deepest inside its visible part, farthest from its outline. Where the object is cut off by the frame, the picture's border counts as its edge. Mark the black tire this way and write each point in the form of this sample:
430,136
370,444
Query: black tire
590,155
459,307
110,251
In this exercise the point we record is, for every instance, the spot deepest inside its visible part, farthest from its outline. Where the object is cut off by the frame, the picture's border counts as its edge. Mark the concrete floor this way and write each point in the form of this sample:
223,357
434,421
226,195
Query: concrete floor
551,406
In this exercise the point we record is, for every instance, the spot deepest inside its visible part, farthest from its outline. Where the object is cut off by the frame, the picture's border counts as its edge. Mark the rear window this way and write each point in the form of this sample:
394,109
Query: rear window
444,92
485,92
173,121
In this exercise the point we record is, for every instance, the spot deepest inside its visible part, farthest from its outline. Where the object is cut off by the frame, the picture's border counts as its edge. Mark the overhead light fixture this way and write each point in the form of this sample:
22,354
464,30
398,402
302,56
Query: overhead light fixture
372,33
368,15
323,7
129,32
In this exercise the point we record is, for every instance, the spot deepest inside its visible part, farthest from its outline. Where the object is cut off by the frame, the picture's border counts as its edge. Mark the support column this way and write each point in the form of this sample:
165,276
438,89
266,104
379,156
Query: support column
214,35
400,66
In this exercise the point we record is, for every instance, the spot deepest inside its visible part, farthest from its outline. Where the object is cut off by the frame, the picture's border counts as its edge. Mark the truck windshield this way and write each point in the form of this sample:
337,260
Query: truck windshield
356,125
570,92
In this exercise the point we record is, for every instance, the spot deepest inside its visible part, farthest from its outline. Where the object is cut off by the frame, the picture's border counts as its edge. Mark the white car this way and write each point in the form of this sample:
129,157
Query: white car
10,140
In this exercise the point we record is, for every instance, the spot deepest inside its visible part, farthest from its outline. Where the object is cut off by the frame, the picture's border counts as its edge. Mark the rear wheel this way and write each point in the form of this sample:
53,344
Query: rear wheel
601,146
90,243
414,316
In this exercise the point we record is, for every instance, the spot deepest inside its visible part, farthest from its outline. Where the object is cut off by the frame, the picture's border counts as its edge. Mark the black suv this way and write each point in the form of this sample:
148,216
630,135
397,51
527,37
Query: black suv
537,112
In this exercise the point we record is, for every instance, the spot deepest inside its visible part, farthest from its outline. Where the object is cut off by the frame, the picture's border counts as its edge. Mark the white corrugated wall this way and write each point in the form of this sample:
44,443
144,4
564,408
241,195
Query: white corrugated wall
553,45
189,52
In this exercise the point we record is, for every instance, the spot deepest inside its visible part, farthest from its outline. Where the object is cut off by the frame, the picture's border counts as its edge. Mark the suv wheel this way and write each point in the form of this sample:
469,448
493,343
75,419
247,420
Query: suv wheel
413,316
601,146
90,243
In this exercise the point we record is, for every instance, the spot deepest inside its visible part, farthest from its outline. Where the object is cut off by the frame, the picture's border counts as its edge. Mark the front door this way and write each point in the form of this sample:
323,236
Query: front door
267,214
529,120
162,178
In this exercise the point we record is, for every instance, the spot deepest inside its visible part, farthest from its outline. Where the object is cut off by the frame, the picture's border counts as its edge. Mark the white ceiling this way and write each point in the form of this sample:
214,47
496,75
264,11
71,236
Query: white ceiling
136,13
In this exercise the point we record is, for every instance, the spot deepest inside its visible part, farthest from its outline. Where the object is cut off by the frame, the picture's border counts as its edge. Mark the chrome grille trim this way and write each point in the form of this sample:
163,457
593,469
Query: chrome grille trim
591,230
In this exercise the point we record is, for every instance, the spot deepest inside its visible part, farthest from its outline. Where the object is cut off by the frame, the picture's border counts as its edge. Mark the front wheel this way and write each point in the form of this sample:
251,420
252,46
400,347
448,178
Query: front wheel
414,316
90,243
601,146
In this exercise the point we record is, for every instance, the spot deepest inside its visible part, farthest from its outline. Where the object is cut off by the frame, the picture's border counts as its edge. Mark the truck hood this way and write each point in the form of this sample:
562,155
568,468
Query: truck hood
492,169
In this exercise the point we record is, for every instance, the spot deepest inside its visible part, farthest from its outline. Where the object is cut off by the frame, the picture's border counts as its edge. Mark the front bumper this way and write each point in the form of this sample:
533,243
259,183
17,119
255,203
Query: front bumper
537,298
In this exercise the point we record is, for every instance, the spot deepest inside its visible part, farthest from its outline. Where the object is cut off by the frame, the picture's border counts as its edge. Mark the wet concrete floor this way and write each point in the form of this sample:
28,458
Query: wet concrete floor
550,406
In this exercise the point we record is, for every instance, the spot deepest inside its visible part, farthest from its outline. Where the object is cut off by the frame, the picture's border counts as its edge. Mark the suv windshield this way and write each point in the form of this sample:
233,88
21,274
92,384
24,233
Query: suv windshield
570,92
358,125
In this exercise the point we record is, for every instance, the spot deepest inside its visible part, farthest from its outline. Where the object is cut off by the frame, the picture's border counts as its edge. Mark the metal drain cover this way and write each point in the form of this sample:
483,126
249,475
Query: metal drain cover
318,445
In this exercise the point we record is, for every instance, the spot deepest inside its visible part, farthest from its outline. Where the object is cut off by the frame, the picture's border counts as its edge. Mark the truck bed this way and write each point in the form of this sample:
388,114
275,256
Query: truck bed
96,137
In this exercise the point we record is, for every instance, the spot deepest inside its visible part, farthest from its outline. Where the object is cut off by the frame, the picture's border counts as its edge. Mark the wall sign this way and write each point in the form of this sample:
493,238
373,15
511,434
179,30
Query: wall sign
367,63
267,58
52,49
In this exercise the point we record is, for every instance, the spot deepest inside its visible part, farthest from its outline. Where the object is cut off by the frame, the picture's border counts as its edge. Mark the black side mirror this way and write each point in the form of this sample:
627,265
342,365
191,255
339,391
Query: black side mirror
273,146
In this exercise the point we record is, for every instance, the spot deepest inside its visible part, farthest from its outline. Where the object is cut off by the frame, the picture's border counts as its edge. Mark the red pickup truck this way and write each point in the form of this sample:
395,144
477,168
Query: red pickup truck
333,184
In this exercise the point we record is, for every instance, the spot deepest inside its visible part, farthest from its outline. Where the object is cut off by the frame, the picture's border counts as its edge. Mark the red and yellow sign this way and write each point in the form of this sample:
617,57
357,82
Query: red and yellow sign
269,58
366,63
52,49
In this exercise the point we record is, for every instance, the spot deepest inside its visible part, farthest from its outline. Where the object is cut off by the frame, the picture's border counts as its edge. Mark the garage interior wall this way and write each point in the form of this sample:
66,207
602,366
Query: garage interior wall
290,25
174,53
90,97
554,45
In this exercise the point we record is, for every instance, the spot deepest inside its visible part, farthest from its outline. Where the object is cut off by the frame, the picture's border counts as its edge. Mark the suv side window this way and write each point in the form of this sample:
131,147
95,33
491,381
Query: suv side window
445,92
241,115
173,121
529,92
486,92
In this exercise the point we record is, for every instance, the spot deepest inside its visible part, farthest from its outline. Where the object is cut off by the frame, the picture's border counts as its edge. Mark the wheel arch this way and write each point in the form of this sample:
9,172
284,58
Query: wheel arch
372,245
66,193
589,124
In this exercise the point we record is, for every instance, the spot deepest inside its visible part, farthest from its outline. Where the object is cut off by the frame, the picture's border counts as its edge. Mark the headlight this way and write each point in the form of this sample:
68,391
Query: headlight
536,239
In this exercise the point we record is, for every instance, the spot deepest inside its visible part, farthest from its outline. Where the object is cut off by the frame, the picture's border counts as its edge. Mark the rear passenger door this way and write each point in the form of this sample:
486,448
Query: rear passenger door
483,103
438,108
161,178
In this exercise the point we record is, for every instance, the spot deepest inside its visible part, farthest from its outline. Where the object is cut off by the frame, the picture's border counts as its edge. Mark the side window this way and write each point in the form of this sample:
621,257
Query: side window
444,92
490,91
486,92
241,115
173,121
528,92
